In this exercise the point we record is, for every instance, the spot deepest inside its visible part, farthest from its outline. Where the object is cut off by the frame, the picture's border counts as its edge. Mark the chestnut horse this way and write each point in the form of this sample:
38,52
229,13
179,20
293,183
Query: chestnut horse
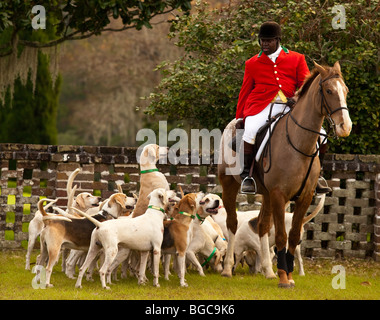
292,171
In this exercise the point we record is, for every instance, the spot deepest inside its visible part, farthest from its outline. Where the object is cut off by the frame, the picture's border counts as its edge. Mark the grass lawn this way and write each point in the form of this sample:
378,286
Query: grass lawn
362,282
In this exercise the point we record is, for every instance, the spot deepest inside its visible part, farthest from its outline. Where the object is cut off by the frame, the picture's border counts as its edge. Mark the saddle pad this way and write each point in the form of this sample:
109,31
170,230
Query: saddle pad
265,140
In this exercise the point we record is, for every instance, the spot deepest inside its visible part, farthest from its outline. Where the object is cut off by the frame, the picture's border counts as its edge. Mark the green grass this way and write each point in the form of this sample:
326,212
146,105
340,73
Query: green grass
362,282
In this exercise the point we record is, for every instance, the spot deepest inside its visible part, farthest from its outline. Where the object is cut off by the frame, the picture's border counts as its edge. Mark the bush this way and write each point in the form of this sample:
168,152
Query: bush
202,87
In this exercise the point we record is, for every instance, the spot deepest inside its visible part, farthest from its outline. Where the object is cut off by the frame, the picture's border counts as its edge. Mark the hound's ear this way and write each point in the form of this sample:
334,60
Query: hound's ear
120,199
337,66
80,201
161,196
192,202
218,257
135,196
321,70
157,151
149,154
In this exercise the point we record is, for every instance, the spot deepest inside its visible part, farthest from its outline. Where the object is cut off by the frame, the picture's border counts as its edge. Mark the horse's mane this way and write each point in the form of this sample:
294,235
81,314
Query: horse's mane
307,83
309,80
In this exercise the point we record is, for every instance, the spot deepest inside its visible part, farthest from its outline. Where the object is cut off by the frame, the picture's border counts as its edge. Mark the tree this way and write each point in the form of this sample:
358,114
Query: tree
81,19
202,86
31,116
29,111
67,20
21,44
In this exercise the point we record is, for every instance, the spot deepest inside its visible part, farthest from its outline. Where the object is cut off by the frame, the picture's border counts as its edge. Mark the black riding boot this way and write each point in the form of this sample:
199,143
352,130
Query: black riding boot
322,188
248,184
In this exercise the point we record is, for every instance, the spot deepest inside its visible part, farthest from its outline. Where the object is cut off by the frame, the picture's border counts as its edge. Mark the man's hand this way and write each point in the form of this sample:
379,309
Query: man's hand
291,102
239,124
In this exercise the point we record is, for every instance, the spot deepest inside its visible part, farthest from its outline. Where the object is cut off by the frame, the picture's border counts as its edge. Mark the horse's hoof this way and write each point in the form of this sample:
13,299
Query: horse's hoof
284,282
227,274
270,274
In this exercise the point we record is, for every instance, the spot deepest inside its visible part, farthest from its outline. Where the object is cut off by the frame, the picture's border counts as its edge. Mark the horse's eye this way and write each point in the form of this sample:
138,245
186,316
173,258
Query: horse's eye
329,91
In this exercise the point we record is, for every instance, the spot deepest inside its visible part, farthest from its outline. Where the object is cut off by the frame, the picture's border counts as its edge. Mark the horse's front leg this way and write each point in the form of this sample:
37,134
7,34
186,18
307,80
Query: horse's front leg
230,190
278,209
264,226
300,209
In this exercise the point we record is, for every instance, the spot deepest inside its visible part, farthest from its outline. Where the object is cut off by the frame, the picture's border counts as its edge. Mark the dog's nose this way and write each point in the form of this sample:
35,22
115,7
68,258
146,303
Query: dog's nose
216,203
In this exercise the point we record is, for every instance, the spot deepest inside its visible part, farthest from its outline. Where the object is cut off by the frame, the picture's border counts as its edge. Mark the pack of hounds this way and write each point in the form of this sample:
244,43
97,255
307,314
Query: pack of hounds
136,232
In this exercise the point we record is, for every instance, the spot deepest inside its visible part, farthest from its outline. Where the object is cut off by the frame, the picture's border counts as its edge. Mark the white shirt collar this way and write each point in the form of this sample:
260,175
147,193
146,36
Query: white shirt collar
275,54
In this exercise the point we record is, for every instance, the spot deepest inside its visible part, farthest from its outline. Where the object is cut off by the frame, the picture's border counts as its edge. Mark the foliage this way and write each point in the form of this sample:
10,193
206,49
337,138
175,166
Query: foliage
202,87
31,117
65,20
29,108
74,20
104,78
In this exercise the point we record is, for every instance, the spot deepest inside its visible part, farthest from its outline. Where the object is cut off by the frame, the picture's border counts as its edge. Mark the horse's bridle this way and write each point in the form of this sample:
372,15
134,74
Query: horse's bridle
329,111
325,105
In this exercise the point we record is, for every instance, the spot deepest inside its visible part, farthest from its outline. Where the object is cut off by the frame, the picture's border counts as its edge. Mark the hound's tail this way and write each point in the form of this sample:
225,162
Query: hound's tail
70,181
182,194
49,216
316,210
94,221
66,214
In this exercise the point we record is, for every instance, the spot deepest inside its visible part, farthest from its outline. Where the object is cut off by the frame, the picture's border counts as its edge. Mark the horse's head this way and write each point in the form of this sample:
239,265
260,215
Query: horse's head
334,93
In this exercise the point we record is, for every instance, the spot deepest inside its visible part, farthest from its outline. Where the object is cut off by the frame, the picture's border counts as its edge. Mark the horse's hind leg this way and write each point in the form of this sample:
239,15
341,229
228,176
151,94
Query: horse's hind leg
230,190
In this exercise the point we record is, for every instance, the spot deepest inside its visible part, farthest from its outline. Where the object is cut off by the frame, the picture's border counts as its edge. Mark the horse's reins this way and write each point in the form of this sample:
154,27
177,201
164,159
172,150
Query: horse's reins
324,104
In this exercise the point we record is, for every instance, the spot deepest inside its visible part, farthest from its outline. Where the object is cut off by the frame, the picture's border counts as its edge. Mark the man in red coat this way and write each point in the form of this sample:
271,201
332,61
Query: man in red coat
272,76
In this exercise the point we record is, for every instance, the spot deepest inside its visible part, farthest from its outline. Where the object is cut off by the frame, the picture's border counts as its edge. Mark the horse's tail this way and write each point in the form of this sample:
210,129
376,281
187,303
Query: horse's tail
316,210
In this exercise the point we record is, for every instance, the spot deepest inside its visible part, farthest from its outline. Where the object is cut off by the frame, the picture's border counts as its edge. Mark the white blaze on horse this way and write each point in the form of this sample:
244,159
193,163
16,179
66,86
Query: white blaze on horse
293,173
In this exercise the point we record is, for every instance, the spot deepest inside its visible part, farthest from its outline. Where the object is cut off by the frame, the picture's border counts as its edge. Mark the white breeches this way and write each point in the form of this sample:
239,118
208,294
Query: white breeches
254,123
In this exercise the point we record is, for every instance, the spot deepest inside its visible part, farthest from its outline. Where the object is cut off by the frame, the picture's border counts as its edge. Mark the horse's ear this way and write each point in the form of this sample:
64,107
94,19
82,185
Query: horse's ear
322,71
337,66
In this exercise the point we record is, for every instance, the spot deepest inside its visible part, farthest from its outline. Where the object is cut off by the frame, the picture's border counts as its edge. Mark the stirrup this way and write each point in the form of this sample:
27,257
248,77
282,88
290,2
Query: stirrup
254,183
323,189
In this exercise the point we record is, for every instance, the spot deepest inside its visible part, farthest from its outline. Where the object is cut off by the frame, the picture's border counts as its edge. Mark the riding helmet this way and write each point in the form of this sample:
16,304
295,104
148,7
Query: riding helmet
270,30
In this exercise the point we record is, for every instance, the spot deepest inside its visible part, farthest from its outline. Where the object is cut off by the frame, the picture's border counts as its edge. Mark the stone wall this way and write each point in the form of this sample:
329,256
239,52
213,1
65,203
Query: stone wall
349,224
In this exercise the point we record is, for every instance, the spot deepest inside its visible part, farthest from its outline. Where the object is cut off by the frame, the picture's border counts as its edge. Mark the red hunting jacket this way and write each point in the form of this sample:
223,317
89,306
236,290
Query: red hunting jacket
263,79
